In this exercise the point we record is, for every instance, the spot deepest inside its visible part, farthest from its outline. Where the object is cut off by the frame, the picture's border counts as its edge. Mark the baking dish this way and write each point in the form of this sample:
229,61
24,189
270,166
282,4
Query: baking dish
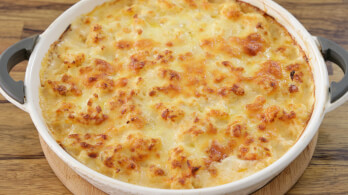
28,100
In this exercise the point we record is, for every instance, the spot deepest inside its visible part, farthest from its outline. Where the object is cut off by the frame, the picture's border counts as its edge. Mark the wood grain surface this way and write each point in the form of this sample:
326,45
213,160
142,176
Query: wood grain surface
24,169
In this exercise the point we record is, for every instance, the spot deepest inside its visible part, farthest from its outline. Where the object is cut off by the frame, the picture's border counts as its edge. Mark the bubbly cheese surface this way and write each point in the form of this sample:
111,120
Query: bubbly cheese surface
176,94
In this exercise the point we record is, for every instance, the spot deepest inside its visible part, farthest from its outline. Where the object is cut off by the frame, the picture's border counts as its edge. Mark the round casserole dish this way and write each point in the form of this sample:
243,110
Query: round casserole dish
28,99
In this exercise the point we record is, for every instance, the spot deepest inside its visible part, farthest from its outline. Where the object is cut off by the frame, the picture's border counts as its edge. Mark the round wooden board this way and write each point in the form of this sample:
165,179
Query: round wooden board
279,185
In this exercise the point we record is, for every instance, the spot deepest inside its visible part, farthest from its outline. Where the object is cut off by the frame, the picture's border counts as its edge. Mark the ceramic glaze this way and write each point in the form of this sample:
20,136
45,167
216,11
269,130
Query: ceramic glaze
244,186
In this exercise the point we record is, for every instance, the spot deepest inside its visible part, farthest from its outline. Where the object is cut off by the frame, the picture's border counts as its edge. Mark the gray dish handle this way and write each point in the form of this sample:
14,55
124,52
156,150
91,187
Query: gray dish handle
334,53
10,58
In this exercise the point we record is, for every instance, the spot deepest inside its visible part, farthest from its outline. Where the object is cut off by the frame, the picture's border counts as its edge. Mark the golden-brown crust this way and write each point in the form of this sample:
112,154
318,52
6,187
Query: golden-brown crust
143,94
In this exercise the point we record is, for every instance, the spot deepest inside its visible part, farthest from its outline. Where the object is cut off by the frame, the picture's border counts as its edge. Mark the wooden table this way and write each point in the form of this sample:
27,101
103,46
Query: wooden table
24,169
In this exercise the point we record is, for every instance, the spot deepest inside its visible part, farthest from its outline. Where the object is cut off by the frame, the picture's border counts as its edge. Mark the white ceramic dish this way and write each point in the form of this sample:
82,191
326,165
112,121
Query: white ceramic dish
28,99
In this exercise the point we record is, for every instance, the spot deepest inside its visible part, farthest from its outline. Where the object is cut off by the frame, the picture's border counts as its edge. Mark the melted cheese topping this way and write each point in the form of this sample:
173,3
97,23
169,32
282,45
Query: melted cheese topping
176,94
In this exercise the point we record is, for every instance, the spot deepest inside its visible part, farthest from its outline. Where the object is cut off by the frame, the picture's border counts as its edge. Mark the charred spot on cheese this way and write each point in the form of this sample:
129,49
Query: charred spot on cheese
253,44
236,89
287,116
232,68
172,114
137,62
104,66
71,60
122,82
183,94
262,139
298,77
64,89
186,56
292,74
293,67
124,44
293,89
145,43
194,130
152,93
245,154
96,34
272,68
257,104
61,89
262,126
170,74
237,130
170,89
157,171
217,114
192,168
65,78
231,11
169,44
216,152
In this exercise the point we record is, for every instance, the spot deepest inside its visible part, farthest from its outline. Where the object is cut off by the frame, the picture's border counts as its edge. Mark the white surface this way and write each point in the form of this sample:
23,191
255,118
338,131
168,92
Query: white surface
21,106
243,186
332,106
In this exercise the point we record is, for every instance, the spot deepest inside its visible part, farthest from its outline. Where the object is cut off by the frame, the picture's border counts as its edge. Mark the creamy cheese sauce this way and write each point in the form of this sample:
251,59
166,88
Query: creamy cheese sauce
176,94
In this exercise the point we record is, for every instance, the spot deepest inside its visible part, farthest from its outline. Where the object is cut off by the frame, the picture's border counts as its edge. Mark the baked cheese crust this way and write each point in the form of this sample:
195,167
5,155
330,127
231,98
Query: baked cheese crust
176,94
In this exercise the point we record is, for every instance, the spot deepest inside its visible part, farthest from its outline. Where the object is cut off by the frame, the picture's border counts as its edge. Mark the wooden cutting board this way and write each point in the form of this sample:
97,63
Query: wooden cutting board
24,169
279,185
